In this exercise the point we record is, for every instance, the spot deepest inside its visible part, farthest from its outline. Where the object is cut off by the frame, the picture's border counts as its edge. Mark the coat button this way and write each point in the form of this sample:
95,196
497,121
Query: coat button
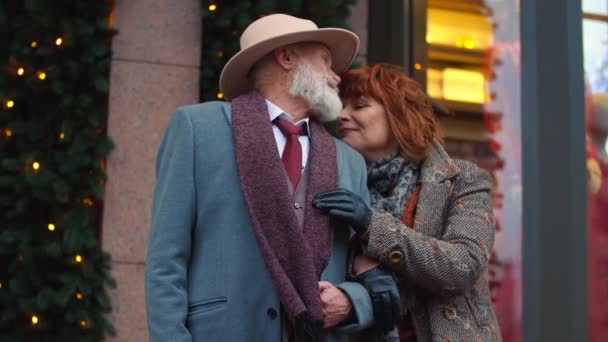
272,313
297,205
395,257
449,313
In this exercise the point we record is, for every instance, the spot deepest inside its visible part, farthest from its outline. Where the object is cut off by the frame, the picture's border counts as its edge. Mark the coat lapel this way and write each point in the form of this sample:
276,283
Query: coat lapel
437,175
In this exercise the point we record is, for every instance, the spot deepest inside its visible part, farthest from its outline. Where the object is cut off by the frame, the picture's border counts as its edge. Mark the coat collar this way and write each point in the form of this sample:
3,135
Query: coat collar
437,176
438,166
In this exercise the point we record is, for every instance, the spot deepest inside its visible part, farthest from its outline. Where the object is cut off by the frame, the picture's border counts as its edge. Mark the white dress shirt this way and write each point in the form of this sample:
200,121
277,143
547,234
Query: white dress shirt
274,112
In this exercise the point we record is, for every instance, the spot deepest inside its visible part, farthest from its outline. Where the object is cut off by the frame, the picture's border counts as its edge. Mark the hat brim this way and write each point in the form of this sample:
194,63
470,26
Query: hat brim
342,44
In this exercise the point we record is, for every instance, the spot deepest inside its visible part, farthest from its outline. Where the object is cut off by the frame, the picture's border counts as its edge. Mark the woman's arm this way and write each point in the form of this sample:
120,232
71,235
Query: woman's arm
448,265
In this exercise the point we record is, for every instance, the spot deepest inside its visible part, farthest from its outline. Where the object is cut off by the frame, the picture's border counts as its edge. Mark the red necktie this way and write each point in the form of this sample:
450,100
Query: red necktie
292,154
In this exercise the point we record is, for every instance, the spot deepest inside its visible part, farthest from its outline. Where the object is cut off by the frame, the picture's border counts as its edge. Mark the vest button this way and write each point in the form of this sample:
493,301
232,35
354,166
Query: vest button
297,205
272,313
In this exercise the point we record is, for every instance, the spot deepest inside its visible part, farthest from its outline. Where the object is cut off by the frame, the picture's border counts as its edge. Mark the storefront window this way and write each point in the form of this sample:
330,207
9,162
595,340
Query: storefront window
474,72
595,60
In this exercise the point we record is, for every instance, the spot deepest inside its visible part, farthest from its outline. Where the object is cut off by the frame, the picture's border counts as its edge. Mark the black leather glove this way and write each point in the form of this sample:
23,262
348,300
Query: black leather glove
345,206
384,292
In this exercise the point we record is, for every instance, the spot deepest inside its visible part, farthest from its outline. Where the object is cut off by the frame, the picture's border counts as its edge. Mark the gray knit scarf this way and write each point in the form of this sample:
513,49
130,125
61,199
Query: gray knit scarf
391,181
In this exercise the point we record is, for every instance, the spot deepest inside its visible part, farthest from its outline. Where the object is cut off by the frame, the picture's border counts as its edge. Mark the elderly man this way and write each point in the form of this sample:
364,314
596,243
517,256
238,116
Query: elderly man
236,251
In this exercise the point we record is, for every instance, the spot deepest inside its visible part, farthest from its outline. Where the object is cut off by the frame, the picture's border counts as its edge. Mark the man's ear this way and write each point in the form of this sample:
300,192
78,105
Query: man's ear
285,58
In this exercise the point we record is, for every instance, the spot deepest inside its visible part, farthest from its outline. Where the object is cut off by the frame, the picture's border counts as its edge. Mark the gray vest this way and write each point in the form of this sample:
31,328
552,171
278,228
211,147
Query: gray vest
298,197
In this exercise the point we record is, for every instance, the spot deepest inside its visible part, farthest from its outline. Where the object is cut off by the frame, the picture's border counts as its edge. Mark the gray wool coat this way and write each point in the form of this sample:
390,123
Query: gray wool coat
442,261
205,279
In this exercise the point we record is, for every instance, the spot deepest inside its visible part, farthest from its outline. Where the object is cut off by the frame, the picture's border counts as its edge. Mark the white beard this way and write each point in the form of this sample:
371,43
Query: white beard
314,87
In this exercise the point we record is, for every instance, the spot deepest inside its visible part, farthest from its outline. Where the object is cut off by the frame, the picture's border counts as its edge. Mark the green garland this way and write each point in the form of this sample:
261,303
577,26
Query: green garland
54,63
224,21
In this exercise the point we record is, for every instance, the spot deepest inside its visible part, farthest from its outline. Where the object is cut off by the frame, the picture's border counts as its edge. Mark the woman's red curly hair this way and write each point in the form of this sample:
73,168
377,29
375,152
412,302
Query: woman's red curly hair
408,108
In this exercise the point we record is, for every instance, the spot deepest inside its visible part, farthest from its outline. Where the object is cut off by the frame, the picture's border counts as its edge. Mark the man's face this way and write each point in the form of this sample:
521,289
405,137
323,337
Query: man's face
316,82
320,59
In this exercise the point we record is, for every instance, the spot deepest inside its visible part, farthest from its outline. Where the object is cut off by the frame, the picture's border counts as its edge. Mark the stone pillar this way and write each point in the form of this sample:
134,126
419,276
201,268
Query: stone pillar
358,24
154,70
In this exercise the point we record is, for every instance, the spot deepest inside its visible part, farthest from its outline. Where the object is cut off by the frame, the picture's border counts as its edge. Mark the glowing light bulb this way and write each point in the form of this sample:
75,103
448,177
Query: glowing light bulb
9,104
8,132
41,75
20,71
78,258
34,44
417,66
58,41
51,227
34,319
220,96
79,295
36,165
61,136
83,323
212,7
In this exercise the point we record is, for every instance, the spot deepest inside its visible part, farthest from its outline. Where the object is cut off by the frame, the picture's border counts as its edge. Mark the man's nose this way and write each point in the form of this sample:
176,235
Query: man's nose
336,78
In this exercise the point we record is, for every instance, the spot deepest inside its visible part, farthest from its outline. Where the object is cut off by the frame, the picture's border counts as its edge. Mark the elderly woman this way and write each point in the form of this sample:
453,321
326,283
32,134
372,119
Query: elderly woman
431,221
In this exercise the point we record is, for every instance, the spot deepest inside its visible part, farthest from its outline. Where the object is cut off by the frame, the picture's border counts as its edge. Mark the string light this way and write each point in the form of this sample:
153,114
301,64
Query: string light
78,258
20,71
9,103
79,295
51,227
34,44
41,75
61,136
83,323
87,201
220,53
417,66
220,96
212,7
8,132
0,284
58,41
34,319
36,166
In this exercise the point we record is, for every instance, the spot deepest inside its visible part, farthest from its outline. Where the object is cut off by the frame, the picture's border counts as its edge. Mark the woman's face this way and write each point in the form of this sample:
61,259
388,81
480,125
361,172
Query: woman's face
363,125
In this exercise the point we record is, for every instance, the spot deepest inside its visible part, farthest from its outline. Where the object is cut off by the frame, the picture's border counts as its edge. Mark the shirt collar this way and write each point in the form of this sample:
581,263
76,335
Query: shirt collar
275,111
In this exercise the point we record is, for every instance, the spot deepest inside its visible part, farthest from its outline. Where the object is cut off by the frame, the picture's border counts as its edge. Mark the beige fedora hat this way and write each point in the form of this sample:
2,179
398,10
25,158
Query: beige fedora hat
276,30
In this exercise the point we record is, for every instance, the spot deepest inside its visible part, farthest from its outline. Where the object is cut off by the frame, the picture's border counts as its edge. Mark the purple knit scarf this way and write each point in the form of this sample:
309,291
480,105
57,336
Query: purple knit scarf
294,258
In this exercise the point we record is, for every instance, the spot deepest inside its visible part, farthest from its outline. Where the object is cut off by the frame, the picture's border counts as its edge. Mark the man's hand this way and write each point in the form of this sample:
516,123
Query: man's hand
345,206
336,305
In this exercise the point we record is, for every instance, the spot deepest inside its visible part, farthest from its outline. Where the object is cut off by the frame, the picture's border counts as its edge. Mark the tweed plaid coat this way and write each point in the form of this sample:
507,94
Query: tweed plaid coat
442,261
